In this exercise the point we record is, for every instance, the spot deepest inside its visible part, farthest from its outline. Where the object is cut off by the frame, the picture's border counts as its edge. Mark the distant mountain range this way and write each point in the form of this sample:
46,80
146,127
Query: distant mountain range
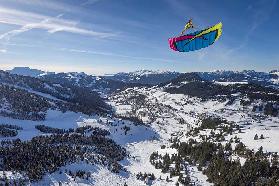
145,77
149,77
85,93
249,76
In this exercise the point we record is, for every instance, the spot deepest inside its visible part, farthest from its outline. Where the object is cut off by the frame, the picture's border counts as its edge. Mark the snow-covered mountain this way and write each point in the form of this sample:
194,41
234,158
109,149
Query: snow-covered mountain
26,71
192,83
145,76
100,84
190,129
27,97
251,76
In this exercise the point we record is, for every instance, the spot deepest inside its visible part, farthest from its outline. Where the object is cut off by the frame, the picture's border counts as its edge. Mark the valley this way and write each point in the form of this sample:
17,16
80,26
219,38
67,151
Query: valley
177,131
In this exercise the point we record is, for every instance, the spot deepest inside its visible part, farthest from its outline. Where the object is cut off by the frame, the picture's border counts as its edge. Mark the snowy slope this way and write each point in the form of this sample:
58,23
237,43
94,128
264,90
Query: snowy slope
175,114
160,116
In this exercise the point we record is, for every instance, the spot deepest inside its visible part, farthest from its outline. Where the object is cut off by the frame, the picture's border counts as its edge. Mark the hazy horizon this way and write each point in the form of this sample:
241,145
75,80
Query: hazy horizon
155,70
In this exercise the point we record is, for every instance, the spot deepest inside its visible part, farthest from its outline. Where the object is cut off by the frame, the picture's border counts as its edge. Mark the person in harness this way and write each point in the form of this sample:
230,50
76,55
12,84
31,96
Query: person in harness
188,25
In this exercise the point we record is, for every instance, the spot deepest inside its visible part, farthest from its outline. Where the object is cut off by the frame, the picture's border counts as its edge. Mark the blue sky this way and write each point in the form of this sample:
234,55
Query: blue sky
108,36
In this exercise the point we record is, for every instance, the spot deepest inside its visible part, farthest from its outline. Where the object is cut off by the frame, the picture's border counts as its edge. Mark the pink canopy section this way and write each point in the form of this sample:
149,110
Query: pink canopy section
173,40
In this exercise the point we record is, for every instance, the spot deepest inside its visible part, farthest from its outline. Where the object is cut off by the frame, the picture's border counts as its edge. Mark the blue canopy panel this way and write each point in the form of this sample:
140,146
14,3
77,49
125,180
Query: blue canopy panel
197,43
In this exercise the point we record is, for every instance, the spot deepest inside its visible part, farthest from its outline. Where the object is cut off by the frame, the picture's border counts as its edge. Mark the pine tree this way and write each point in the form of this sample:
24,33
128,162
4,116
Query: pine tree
256,137
167,179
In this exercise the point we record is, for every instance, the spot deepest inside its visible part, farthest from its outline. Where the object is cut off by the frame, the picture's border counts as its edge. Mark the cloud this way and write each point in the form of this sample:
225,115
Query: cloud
3,51
114,55
29,20
23,45
12,33
89,2
49,5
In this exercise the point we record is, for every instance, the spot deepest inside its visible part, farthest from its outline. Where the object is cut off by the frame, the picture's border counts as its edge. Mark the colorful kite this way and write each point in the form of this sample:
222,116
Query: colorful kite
196,40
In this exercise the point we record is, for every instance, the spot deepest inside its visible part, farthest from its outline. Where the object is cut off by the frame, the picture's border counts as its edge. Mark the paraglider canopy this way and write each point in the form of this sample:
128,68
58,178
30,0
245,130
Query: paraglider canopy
196,40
